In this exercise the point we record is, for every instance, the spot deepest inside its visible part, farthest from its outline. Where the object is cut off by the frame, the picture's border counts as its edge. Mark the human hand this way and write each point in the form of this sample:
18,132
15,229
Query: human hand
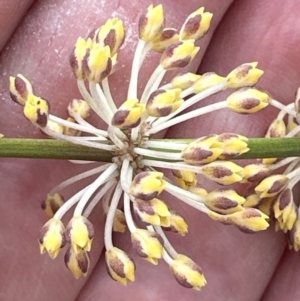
237,266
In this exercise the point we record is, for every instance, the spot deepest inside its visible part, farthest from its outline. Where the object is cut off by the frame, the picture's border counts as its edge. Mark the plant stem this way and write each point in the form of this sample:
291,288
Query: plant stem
55,149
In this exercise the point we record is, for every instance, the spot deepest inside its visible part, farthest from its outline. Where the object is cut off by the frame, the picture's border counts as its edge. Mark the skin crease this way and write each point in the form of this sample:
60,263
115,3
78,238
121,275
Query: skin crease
237,266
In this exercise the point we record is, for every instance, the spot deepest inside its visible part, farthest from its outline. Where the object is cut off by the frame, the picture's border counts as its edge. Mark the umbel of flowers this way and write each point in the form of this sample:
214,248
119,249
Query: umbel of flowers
130,183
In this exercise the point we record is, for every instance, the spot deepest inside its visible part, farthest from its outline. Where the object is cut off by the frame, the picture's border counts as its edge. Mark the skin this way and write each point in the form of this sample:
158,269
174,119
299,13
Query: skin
37,37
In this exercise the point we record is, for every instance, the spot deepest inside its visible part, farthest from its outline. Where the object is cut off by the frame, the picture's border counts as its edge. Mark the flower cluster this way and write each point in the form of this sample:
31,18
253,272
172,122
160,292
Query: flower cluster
130,183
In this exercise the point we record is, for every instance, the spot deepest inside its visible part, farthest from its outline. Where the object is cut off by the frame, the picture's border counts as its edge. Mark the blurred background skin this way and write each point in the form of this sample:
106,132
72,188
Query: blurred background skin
36,38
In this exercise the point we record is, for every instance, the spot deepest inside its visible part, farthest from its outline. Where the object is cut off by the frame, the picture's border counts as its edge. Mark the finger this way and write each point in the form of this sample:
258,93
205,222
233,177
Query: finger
41,48
11,13
284,285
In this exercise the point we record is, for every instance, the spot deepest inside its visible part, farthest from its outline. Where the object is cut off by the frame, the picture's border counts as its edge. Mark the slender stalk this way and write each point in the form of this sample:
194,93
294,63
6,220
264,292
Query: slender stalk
55,149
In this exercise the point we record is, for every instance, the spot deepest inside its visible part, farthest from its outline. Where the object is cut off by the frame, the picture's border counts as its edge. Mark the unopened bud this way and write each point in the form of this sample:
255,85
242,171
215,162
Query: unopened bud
36,110
20,88
77,262
52,203
164,39
196,25
79,107
129,114
243,76
248,100
178,54
207,81
185,80
271,186
147,185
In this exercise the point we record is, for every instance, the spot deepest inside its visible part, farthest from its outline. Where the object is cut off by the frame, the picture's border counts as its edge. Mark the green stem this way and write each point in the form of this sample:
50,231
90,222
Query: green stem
55,149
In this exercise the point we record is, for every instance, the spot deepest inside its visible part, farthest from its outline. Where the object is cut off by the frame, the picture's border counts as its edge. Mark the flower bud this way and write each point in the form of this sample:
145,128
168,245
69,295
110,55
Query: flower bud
147,185
185,80
177,224
249,220
20,88
81,48
294,235
147,244
185,178
202,150
36,110
247,100
196,25
52,203
111,34
252,200
233,145
52,237
197,190
164,39
255,172
79,107
285,210
77,262
119,223
80,233
223,172
164,102
97,63
187,272
266,206
120,266
224,201
152,23
207,81
276,129
129,114
154,212
243,76
178,54
271,186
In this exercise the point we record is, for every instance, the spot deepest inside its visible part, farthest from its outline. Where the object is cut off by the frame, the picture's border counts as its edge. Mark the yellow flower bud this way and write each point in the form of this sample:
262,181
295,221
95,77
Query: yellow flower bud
52,237
154,212
271,186
224,201
119,223
233,145
163,102
80,233
164,39
223,172
81,48
77,262
97,63
147,244
255,172
55,127
247,100
185,80
52,203
147,185
252,200
36,110
243,76
20,88
249,220
196,25
178,54
207,81
177,224
128,115
285,210
185,178
187,272
80,107
120,267
111,34
202,150
294,235
152,23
